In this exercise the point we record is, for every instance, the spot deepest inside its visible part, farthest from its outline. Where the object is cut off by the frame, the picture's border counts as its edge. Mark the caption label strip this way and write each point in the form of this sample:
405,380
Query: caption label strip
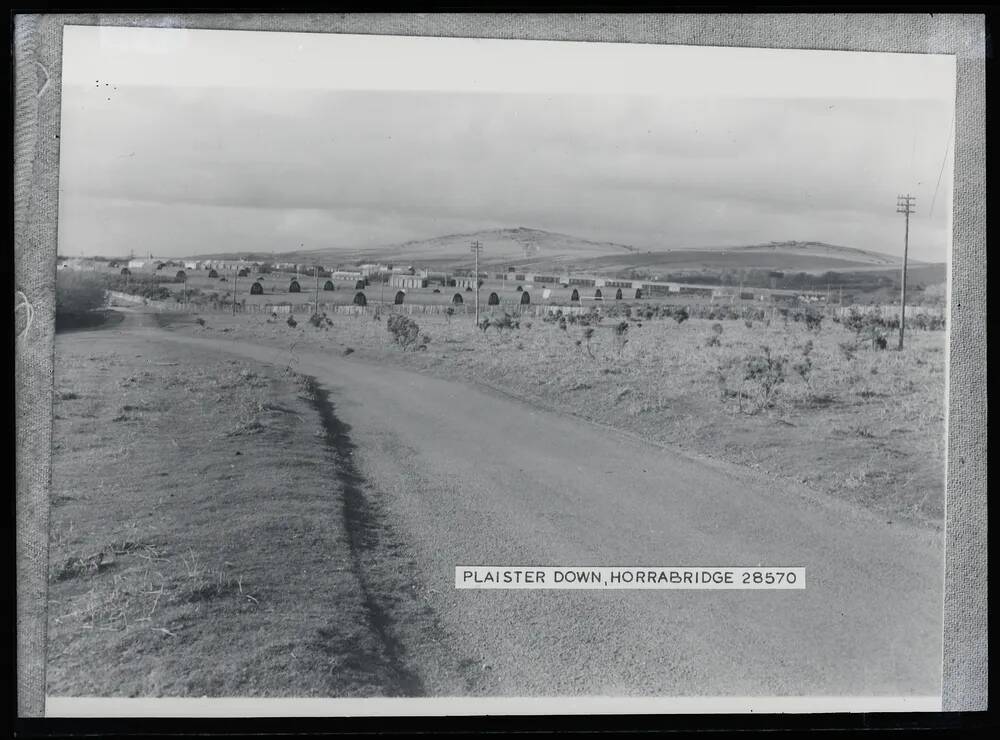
586,577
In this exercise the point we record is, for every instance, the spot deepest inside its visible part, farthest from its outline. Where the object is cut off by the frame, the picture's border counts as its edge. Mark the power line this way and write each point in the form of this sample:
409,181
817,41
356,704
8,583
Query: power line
944,159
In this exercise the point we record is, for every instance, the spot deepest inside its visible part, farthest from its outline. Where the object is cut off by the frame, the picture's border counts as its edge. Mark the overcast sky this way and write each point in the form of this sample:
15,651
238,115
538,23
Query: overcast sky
179,142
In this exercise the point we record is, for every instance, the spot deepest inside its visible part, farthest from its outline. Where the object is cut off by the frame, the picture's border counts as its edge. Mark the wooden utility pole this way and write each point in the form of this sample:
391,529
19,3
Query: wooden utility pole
905,204
476,249
316,309
236,281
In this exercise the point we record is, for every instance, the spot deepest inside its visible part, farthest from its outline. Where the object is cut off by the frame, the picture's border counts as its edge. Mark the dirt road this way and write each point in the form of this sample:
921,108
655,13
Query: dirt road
466,476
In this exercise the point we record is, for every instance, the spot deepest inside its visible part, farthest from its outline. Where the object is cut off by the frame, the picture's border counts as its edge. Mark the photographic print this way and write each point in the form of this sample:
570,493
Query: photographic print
493,370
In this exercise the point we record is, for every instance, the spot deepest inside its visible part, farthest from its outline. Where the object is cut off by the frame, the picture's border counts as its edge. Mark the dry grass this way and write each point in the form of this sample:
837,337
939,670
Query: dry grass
197,546
863,425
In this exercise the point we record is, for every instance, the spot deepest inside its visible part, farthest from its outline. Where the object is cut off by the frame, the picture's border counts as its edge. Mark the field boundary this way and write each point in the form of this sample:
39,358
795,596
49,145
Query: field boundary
538,310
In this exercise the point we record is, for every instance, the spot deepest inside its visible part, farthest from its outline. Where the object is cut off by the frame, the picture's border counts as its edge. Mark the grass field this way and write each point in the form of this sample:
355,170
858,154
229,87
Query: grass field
198,537
860,424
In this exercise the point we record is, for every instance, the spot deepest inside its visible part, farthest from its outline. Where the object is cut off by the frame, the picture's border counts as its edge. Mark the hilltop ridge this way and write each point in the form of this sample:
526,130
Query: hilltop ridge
532,248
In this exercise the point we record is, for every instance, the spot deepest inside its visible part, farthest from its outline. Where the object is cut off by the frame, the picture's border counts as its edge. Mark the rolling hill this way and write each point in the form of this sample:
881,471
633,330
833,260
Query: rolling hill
535,249
498,245
822,251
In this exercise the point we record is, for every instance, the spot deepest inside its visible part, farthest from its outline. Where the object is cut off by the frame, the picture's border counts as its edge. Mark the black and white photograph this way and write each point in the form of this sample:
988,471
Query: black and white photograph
505,375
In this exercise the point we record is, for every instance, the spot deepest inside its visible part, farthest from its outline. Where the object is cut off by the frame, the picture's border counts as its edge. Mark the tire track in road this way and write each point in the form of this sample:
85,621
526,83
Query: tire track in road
363,528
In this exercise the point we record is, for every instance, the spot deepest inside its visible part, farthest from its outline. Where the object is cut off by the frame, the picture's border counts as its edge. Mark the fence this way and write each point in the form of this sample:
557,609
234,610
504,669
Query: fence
892,312
308,307
537,310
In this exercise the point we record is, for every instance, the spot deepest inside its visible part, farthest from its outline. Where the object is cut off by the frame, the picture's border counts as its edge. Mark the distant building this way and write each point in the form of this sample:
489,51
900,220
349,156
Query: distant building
544,279
349,275
407,281
136,264
696,290
230,265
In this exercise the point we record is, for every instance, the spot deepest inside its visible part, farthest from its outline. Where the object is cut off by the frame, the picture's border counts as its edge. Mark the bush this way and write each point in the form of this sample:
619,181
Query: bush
762,374
717,328
404,330
291,321
680,315
78,296
874,333
588,334
814,321
620,337
713,340
803,366
504,323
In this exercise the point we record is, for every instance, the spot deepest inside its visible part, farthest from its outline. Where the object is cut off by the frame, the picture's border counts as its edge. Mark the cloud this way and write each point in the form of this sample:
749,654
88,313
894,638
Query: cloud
184,169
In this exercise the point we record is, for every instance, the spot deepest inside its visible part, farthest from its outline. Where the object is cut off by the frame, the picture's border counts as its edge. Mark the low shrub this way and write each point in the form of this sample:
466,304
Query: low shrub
501,323
803,366
588,334
814,321
404,330
763,373
620,337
